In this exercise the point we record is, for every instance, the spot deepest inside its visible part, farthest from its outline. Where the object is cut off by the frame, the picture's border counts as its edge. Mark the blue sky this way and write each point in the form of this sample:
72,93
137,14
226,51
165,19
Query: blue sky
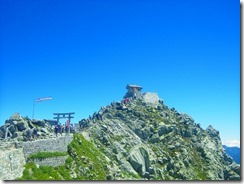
84,53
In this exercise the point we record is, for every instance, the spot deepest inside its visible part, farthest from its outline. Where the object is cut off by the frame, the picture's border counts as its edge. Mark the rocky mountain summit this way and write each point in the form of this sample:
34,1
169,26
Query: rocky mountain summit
138,138
145,139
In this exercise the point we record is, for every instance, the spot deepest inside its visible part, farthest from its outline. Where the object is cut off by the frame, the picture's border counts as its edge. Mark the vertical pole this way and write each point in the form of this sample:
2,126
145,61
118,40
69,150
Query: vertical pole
68,124
33,111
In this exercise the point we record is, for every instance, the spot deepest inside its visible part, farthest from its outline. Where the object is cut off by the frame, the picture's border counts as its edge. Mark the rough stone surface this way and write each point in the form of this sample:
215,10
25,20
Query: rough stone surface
49,145
53,161
175,147
22,128
12,163
139,159
13,155
151,98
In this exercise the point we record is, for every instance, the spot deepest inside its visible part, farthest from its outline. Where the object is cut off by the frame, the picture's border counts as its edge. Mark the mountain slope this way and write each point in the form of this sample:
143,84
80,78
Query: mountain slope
151,141
139,138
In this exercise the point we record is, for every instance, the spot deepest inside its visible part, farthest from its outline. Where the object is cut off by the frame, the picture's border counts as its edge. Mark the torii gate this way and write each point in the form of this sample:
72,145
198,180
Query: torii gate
64,115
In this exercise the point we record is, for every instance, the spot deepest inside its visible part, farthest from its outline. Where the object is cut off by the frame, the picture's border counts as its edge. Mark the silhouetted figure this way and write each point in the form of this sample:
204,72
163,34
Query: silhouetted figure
56,130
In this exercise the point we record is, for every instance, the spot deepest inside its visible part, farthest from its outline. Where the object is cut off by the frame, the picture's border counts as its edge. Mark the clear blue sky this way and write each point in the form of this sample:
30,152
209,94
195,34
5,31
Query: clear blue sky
83,53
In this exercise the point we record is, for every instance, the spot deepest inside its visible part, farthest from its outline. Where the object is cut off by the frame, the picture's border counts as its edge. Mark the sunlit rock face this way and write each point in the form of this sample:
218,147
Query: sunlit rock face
143,136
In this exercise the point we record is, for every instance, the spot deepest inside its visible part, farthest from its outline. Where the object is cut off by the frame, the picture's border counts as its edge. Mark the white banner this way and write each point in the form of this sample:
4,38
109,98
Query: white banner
43,99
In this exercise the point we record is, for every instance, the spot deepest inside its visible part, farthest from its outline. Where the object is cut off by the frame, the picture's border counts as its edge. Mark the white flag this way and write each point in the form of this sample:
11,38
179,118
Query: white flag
43,99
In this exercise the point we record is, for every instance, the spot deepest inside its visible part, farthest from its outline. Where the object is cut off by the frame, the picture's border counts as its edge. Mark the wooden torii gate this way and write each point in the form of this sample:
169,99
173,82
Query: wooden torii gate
64,115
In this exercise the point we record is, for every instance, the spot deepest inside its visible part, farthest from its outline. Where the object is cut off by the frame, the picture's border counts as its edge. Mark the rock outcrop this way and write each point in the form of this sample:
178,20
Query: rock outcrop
158,143
24,129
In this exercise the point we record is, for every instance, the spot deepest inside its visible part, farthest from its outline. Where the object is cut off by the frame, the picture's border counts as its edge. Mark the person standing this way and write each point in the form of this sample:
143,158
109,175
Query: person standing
62,129
56,130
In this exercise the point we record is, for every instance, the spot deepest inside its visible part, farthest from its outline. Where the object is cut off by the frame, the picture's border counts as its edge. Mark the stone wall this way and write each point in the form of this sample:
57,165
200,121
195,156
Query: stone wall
53,161
13,155
50,145
12,163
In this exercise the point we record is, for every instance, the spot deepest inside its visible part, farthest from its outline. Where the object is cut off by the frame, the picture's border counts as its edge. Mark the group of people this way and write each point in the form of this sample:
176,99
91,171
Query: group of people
126,100
60,129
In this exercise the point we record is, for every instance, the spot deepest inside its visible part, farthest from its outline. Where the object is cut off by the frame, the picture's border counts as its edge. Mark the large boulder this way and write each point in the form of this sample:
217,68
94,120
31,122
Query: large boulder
15,116
151,99
44,130
139,159
164,129
12,129
39,122
22,125
1,134
212,132
16,135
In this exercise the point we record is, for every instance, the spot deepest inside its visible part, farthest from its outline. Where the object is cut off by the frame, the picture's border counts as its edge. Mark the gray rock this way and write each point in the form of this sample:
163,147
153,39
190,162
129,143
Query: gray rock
22,125
145,133
146,175
115,150
12,163
44,130
171,147
15,122
154,139
39,123
15,116
12,129
104,128
1,134
20,138
16,134
164,129
139,159
151,170
151,99
212,132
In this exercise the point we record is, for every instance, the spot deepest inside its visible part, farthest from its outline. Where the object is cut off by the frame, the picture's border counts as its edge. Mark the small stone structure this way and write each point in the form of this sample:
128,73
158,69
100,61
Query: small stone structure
134,91
131,87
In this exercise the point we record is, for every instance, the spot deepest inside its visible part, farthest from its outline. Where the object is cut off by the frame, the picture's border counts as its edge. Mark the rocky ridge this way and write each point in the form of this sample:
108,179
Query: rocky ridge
147,140
136,139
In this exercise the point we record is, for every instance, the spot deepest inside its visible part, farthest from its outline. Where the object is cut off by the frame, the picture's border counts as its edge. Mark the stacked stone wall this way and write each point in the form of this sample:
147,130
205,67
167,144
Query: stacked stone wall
52,161
13,155
46,145
12,163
